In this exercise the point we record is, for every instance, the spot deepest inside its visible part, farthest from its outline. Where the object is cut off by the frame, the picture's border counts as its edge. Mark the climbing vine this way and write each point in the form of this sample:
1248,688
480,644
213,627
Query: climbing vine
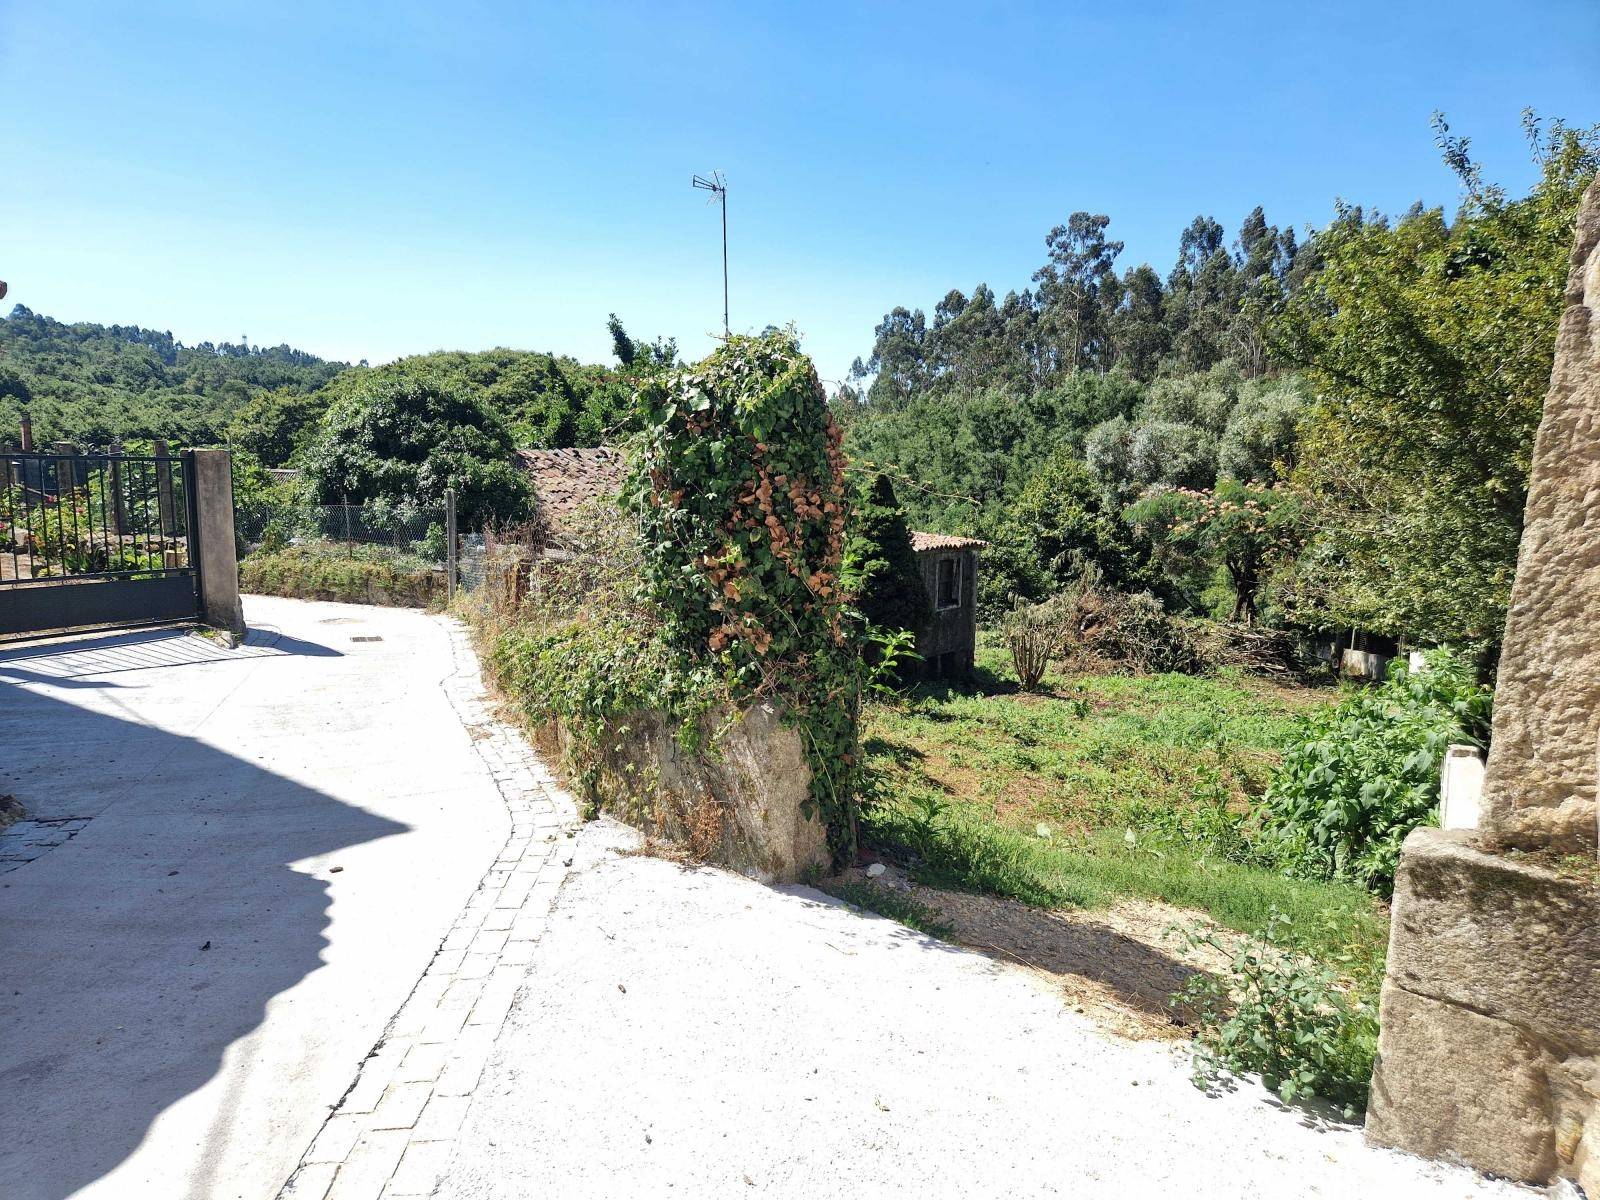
738,489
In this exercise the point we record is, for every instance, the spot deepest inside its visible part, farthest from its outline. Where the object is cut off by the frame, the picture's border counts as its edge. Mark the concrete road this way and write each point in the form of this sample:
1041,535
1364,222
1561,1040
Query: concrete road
248,859
691,1033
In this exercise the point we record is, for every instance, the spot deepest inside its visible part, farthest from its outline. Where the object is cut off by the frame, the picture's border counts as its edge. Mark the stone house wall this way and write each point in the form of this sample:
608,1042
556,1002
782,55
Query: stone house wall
948,640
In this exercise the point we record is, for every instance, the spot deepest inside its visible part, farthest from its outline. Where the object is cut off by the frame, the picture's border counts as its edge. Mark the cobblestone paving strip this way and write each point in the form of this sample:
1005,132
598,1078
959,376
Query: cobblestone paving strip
392,1133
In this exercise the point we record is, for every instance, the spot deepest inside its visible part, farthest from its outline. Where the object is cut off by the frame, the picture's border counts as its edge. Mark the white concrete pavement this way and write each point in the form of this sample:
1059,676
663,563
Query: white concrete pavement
195,1003
692,1033
257,855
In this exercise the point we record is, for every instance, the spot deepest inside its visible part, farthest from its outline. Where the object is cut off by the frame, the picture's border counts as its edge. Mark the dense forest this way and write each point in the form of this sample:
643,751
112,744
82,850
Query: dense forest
1332,433
97,384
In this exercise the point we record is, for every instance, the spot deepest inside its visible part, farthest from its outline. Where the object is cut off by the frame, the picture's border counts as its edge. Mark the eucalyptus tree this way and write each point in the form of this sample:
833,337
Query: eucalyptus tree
1081,264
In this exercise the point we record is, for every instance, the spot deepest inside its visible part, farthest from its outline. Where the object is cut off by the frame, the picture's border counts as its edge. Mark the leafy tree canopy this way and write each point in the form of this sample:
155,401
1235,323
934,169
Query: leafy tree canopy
545,400
401,438
1429,342
273,425
95,384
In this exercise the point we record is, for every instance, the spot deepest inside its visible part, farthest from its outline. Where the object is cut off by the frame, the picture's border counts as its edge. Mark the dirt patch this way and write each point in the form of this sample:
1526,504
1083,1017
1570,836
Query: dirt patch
956,781
1120,966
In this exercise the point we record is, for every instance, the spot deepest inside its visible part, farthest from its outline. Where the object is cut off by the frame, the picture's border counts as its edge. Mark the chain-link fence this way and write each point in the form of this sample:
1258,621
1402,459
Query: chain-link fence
406,536
370,553
472,562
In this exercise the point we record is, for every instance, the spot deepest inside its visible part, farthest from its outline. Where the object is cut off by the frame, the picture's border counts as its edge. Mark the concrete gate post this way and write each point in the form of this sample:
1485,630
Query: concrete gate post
218,559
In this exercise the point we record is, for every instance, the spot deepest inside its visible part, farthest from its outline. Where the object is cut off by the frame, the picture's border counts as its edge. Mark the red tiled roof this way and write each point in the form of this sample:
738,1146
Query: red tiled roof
566,479
943,541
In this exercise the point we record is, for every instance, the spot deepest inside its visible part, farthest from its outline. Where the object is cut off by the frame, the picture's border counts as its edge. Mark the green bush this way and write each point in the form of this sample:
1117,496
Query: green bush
1276,1014
1366,772
593,673
401,440
738,489
359,575
435,544
880,568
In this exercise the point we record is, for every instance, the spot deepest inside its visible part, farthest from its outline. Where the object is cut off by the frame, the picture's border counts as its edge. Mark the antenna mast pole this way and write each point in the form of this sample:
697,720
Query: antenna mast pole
718,187
725,330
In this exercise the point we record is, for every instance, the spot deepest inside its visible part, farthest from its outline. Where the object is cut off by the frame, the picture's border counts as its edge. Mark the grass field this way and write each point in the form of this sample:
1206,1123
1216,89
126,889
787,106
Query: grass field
1103,787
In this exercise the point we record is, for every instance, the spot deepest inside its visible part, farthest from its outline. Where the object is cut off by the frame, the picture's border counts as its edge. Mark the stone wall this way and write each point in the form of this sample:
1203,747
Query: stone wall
742,805
1540,782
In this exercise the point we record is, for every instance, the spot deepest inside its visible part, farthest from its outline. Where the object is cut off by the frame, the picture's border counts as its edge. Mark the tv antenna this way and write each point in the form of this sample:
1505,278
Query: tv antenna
718,187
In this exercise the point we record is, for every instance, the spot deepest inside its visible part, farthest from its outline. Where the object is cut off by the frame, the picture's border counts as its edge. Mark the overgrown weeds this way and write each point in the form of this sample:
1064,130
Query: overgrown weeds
1278,1014
568,641
353,575
1103,787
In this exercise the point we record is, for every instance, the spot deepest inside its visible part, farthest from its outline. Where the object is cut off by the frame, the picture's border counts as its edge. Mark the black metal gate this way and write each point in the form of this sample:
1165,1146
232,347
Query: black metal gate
97,539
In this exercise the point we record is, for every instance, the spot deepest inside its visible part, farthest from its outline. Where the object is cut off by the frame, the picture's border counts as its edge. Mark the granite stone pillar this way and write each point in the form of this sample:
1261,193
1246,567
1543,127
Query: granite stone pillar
1489,1050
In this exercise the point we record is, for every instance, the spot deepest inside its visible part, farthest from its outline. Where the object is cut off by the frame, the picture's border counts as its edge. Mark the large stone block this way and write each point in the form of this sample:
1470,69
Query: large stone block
1498,936
1452,1083
218,558
1489,1048
742,804
1541,777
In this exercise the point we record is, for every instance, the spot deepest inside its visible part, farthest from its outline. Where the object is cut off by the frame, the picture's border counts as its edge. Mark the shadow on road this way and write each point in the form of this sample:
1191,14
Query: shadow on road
132,956
139,650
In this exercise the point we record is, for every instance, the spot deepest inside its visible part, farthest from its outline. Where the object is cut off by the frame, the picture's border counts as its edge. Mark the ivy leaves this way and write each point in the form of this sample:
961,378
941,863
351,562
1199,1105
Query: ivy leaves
738,489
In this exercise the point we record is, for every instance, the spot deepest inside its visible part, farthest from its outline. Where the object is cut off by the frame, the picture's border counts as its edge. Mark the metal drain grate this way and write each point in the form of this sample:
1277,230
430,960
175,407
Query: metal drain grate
365,637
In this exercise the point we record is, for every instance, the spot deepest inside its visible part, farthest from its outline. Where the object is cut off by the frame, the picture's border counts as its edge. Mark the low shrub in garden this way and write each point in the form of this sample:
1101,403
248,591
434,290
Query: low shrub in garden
1277,1014
1035,635
356,575
1365,773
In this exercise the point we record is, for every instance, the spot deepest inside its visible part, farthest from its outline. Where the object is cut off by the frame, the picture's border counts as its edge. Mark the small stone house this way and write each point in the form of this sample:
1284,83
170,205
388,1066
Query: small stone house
948,642
565,480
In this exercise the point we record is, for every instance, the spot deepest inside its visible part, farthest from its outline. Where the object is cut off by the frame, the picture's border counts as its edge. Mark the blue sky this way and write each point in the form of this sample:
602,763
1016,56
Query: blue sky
371,180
